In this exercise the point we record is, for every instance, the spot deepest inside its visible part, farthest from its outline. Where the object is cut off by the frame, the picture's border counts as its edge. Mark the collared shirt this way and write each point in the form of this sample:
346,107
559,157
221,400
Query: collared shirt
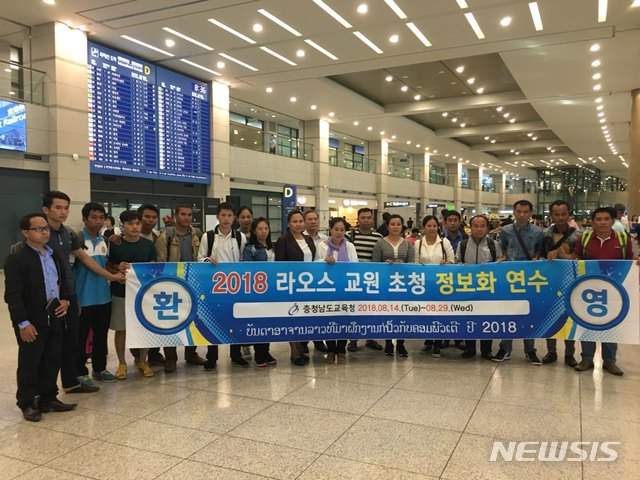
318,239
153,235
531,237
436,253
455,241
225,247
49,271
185,244
477,253
604,248
93,289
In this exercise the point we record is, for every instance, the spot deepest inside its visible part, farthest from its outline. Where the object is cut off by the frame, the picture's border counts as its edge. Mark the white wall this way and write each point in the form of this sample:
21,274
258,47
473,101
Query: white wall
266,167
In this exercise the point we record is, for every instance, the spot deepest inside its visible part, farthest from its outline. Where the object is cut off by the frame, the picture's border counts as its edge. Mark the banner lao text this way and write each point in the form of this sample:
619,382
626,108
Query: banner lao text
173,304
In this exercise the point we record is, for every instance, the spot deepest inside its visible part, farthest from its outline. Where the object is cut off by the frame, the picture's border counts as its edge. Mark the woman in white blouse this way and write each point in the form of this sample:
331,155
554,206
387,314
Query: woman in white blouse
433,250
331,250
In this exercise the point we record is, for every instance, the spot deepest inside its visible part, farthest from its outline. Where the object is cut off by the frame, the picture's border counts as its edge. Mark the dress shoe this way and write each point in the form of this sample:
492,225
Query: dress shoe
459,344
487,356
304,348
82,388
56,406
468,354
270,360
320,346
196,360
401,351
241,362
330,358
352,346
31,414
170,366
569,361
300,362
210,365
388,349
550,357
373,345
584,365
157,359
613,369
341,359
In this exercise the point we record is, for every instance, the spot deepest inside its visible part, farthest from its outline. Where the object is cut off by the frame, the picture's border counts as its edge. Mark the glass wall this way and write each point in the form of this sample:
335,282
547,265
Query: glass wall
580,186
350,152
402,164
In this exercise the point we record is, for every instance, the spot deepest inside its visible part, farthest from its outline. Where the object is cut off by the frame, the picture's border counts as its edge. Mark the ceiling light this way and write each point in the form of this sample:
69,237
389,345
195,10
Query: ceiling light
393,137
480,90
220,65
505,22
388,78
416,31
397,10
300,53
474,25
146,45
394,38
463,125
601,114
369,128
293,99
595,47
595,63
366,41
599,107
471,80
333,13
320,49
404,88
231,30
239,62
529,134
417,97
506,114
460,69
636,3
408,142
597,87
201,67
598,100
314,107
487,137
513,120
445,114
499,109
534,138
279,22
268,89
169,42
381,132
278,56
362,8
596,76
49,2
602,120
188,39
602,10
454,119
257,27
462,4
604,127
331,114
535,16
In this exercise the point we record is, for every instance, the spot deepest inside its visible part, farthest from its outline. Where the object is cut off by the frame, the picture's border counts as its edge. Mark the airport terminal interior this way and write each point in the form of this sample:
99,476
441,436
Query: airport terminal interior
400,106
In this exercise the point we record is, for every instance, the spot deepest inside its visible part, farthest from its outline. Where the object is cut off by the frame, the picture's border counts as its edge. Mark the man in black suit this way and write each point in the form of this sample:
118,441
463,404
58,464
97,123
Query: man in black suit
34,280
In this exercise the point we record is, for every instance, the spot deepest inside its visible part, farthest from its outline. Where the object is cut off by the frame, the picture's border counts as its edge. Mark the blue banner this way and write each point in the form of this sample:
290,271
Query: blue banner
173,304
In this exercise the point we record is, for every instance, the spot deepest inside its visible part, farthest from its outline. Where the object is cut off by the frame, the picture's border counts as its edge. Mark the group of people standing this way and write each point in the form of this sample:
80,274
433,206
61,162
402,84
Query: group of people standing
65,289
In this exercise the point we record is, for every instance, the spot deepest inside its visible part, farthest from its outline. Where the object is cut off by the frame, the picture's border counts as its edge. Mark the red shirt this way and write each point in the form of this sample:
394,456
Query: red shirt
608,249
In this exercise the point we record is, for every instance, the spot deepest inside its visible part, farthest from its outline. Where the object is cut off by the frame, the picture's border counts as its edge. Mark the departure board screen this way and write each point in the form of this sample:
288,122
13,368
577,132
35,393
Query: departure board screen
146,121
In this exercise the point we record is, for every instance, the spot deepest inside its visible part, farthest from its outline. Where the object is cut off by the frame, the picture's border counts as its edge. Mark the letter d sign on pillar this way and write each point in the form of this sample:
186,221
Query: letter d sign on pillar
289,198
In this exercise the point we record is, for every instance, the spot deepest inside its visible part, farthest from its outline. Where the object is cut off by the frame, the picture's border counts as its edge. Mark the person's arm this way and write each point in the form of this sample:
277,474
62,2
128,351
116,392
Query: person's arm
353,254
14,283
246,255
537,249
449,251
243,245
161,248
411,252
321,254
376,254
280,249
91,264
629,249
203,249
577,249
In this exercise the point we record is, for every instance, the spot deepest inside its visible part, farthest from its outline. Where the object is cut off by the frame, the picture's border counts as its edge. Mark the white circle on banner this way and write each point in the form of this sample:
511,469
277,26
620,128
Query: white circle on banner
596,302
166,305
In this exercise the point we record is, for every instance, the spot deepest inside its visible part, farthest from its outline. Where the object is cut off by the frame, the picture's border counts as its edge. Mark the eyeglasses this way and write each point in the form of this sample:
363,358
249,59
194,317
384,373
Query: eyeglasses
46,228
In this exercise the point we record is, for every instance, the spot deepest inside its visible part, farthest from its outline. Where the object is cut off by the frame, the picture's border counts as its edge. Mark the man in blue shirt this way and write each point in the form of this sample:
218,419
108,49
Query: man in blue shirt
520,241
34,278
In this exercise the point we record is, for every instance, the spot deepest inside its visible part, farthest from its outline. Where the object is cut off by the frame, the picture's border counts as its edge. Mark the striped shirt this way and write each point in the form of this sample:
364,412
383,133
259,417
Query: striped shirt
364,243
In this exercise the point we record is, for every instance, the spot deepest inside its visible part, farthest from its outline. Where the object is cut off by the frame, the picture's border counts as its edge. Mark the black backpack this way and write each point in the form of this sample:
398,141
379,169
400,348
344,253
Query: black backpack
490,243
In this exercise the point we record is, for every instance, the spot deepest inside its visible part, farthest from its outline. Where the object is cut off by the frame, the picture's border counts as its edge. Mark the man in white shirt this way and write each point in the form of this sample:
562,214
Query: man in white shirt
223,244
311,226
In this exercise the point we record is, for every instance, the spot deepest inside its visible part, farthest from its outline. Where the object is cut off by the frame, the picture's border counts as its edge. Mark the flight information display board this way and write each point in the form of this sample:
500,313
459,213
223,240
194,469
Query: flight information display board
146,121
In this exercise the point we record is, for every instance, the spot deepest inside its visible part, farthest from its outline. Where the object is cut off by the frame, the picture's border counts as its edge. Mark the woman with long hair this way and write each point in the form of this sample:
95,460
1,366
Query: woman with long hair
331,250
295,246
260,249
393,248
433,250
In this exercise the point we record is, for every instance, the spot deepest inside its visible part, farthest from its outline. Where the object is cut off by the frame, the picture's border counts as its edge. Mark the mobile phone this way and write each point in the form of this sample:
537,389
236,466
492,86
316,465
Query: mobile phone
52,306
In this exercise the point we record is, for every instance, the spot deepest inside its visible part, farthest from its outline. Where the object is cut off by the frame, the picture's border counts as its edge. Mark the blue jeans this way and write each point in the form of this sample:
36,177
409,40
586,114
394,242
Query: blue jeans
608,351
529,345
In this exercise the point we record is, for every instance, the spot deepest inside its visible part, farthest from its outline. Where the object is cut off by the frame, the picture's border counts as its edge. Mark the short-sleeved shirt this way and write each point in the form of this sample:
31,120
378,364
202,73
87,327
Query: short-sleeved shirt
551,236
92,289
133,252
531,237
364,243
64,242
604,249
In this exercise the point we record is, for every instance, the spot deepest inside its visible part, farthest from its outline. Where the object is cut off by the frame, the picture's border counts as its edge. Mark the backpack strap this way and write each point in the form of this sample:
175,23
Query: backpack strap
622,240
463,249
211,237
492,248
444,253
584,239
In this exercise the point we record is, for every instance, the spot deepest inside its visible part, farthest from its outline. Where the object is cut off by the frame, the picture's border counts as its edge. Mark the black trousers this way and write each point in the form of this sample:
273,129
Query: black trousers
170,353
95,318
70,347
234,352
336,346
485,346
261,351
569,346
38,365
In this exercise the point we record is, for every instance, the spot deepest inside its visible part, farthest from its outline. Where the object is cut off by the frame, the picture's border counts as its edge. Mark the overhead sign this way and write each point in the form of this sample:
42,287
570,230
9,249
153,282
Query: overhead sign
397,203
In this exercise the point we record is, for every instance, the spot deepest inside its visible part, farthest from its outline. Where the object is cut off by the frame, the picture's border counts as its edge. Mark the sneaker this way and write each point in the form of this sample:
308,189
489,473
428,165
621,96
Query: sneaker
388,349
246,352
259,363
352,346
373,345
459,344
270,360
436,352
401,351
121,372
487,356
501,356
533,358
210,365
550,357
445,343
104,376
428,345
86,380
145,369
569,361
468,354
241,362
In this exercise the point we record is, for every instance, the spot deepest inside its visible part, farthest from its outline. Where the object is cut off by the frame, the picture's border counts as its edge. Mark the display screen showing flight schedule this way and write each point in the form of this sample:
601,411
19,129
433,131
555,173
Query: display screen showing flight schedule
146,121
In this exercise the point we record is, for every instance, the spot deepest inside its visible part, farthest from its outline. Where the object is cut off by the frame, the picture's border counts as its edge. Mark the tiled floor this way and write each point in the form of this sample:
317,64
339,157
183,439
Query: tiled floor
377,417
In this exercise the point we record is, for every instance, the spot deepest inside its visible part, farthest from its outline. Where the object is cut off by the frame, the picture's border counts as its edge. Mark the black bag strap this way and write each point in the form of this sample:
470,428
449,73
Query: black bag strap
211,237
566,235
463,249
492,248
524,248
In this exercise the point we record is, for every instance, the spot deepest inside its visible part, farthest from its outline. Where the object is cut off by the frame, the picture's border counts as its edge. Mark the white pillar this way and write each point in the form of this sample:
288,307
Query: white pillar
220,186
379,151
317,134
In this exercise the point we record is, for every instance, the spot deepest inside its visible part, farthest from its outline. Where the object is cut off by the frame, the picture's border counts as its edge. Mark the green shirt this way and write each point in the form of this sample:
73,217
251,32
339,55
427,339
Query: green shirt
133,252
